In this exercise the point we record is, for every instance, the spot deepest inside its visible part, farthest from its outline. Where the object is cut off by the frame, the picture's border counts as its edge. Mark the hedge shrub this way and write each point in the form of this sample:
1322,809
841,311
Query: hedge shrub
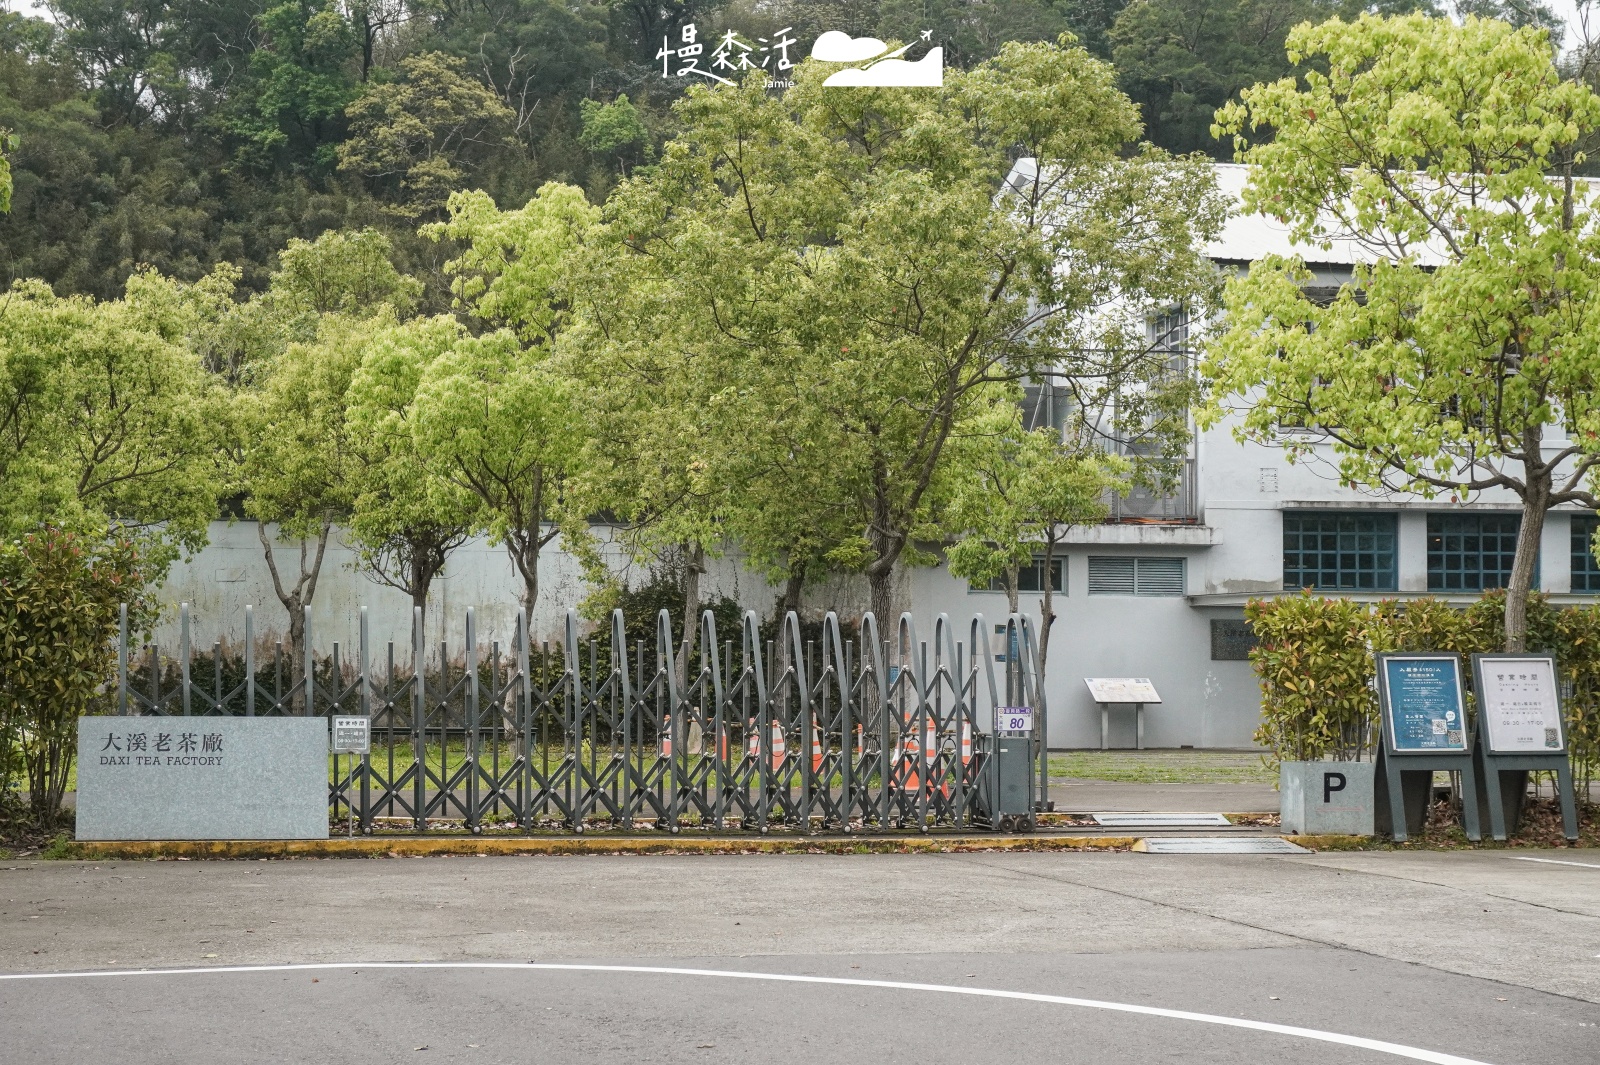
1318,686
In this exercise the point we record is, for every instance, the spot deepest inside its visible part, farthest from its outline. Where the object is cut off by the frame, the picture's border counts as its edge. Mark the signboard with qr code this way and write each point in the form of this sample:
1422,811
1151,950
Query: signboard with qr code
1013,719
1520,703
1422,706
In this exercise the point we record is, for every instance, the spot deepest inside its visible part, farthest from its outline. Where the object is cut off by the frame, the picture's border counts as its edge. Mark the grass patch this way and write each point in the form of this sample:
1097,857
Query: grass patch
1162,767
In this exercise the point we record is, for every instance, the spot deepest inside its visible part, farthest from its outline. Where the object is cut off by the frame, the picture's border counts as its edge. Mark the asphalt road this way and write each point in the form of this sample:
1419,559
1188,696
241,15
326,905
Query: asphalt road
1478,955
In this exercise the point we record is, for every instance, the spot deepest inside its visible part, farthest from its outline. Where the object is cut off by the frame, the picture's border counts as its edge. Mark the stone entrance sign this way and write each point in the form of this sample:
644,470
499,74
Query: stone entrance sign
202,778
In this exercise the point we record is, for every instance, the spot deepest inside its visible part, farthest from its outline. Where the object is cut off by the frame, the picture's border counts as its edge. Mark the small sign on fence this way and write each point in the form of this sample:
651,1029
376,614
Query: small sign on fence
352,735
1013,719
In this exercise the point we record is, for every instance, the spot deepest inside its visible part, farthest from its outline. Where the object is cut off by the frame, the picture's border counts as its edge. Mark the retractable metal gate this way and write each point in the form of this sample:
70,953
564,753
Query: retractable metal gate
878,731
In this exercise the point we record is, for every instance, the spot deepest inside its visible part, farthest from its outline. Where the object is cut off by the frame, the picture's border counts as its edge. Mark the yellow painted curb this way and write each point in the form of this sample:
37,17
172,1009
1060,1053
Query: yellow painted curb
425,846
1332,842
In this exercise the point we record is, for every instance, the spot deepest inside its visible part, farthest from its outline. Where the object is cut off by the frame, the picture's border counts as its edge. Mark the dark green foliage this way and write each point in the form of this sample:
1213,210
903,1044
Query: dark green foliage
182,133
1182,59
60,599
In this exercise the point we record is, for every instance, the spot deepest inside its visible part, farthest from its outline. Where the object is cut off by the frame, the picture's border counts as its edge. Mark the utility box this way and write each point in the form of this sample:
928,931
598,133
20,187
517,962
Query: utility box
1010,771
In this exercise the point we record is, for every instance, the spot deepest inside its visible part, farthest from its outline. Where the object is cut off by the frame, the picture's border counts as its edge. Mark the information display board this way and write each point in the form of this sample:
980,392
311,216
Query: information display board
1423,712
352,735
1520,704
1122,690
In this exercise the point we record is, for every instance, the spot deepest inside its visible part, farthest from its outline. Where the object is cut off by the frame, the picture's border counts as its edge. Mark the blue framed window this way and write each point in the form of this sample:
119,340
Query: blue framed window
1339,551
1471,552
1585,570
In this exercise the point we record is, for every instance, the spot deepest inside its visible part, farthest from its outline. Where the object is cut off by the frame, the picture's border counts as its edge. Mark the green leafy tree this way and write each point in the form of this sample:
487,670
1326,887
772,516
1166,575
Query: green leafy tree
406,519
492,417
302,78
107,419
61,595
510,269
1463,355
1182,59
343,273
298,465
853,269
614,130
1026,491
418,139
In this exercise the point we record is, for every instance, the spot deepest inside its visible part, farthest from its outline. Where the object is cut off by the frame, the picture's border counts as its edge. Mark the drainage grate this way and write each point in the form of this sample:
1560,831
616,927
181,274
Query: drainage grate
1217,845
1144,820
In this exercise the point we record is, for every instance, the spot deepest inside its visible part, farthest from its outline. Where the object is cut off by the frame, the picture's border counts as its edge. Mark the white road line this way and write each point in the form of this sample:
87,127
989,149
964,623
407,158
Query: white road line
1378,1045
1558,861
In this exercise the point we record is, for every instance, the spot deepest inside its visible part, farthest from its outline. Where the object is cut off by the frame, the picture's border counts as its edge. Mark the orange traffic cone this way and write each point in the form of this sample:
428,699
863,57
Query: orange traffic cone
913,750
816,747
779,748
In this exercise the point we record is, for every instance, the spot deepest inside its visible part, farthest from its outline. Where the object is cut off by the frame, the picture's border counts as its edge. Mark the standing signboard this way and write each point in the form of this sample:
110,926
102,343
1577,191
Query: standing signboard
1520,730
352,735
1122,691
1423,718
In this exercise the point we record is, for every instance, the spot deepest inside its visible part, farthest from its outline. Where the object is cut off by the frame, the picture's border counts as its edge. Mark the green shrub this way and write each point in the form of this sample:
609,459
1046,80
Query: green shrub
1315,666
60,599
1314,662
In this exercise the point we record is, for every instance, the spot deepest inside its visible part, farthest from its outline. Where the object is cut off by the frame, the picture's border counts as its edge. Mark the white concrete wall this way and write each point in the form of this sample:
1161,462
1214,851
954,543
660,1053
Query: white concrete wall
231,572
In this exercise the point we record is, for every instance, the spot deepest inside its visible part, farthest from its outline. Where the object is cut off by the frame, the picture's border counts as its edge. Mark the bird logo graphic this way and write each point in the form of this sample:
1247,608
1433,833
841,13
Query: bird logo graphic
886,69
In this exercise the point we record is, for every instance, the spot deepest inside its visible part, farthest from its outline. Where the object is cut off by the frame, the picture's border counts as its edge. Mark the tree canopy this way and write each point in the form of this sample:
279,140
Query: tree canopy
849,284
1464,354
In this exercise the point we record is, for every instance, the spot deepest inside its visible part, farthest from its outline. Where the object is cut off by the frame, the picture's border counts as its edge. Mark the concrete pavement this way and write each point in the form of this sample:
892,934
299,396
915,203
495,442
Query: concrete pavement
1100,796
1480,954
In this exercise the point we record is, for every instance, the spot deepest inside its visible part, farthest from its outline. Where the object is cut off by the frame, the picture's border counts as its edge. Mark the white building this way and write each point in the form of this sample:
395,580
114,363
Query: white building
1158,591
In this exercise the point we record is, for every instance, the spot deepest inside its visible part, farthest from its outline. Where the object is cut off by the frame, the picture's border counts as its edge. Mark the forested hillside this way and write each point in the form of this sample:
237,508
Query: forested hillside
180,133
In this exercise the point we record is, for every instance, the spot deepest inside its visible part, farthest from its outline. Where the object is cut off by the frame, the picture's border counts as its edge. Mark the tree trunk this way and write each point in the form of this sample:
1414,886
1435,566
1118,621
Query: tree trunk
524,551
1013,593
788,602
295,599
1534,507
881,581
693,566
1047,613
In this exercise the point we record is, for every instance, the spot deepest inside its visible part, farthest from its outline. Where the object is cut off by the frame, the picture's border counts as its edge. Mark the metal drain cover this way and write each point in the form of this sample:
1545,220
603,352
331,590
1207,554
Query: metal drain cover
1146,820
1217,845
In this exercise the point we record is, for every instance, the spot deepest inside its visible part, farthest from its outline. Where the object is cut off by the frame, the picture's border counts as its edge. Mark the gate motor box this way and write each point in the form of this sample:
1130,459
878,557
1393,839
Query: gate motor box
1011,767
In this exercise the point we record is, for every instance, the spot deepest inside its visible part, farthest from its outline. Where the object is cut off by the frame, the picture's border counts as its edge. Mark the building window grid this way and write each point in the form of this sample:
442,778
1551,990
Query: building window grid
1585,570
1339,552
1471,552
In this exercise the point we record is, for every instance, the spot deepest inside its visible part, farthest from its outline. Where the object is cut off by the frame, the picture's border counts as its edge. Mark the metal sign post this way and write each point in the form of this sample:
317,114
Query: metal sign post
1520,730
1424,724
351,736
